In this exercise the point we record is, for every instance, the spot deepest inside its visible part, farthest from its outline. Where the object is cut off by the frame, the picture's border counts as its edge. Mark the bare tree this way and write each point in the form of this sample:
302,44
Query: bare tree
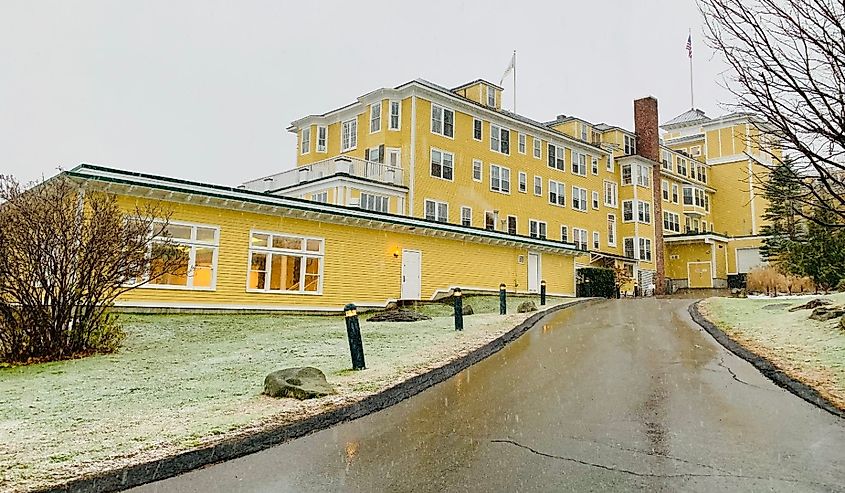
66,254
786,60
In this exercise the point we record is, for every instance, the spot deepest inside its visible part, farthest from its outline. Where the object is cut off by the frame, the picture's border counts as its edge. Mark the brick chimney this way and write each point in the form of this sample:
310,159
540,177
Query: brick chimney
648,146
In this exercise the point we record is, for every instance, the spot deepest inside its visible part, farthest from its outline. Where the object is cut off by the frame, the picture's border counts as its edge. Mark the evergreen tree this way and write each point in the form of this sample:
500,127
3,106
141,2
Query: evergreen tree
783,226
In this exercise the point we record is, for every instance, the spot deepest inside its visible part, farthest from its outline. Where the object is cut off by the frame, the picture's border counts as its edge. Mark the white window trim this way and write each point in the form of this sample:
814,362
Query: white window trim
522,177
480,137
303,253
521,141
351,148
500,179
443,121
615,194
586,205
302,141
398,115
615,231
537,149
595,200
502,130
466,208
372,106
633,211
557,185
436,203
192,244
596,239
480,163
376,196
536,178
442,152
326,143
538,223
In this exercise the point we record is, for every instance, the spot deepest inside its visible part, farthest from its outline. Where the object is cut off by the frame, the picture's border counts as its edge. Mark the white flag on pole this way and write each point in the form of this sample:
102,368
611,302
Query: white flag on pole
510,68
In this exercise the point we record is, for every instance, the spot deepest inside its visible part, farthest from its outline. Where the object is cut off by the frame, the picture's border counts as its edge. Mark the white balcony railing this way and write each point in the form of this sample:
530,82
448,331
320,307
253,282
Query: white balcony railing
340,165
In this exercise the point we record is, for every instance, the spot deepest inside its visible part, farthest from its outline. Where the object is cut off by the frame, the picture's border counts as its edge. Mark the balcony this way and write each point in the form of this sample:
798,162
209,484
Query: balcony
336,166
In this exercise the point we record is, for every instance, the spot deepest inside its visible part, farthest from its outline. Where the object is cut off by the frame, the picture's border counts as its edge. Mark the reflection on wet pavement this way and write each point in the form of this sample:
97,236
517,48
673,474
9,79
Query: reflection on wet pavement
622,394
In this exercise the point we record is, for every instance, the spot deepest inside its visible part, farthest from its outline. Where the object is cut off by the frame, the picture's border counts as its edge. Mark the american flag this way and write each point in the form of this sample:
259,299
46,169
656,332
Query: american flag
689,45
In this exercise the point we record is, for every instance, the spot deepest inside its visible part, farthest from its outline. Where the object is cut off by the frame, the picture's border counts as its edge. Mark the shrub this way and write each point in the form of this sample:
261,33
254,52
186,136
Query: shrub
768,279
65,255
596,281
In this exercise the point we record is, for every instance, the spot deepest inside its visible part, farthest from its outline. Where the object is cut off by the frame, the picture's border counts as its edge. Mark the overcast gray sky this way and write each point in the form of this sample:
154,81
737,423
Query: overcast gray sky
203,90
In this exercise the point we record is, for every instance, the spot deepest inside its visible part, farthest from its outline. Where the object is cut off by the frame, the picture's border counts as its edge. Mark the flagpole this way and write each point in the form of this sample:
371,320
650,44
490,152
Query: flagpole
514,81
691,94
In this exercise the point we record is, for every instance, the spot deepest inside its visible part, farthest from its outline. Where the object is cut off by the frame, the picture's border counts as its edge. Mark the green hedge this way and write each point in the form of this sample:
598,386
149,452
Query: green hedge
596,282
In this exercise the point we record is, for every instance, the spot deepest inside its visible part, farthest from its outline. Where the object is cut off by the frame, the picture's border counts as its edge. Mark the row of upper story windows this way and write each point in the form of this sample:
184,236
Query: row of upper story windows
683,166
349,129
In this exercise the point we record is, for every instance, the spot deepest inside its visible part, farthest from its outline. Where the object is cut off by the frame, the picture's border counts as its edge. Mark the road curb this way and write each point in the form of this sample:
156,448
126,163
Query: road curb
139,474
764,366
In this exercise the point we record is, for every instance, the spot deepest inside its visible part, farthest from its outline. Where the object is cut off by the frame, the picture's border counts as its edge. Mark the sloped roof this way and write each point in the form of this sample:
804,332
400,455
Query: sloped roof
686,119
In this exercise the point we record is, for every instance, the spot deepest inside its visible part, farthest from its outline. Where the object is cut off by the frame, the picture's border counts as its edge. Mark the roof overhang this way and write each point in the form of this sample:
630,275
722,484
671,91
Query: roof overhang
154,187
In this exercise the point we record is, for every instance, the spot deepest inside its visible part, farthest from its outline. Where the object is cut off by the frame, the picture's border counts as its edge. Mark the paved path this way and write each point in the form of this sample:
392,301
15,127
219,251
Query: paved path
619,395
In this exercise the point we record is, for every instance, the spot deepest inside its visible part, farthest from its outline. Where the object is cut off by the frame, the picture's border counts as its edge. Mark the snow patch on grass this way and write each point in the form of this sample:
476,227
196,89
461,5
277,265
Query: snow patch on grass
184,381
808,350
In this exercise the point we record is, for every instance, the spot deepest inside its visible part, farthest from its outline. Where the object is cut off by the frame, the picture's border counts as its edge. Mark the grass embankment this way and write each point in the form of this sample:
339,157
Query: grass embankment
182,381
807,350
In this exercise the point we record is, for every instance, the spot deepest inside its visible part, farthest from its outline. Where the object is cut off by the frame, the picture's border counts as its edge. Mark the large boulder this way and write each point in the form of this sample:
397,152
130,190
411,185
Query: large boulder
467,310
526,306
815,303
842,323
824,313
300,383
398,316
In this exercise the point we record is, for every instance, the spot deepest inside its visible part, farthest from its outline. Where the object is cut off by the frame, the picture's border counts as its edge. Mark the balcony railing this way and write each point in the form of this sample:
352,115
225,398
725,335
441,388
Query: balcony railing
341,165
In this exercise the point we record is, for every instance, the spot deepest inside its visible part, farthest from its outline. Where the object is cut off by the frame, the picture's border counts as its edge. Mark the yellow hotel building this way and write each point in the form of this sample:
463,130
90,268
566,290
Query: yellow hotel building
410,191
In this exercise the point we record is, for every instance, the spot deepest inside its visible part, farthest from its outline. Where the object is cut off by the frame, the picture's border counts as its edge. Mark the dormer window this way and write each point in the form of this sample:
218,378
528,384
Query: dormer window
491,97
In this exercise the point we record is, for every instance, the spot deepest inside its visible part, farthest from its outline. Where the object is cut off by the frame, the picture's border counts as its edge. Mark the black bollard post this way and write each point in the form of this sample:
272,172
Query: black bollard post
503,300
542,293
459,309
353,333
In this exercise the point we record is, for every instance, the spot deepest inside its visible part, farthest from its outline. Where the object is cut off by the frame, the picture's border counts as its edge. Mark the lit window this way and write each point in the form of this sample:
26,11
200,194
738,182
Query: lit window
199,246
285,263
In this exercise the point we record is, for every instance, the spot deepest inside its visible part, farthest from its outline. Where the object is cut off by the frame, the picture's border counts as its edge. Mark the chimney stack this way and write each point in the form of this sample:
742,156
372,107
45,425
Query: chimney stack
648,146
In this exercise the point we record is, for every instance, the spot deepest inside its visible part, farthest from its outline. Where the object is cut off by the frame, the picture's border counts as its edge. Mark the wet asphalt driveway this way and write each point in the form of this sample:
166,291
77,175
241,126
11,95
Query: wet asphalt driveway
615,395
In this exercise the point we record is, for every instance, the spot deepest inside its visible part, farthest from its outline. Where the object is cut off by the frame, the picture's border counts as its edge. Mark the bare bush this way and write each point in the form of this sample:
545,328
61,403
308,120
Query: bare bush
768,279
66,254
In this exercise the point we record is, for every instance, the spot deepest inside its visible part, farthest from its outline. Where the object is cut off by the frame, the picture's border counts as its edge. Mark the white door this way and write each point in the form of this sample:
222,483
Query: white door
411,274
534,272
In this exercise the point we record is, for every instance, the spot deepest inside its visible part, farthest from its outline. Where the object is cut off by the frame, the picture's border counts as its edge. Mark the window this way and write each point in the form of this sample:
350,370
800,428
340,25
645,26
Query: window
595,196
442,164
671,222
557,193
699,173
579,199
285,263
611,230
674,193
706,203
537,149
349,135
630,144
695,151
579,163
596,240
198,269
664,187
322,139
538,186
579,238
511,225
687,195
500,179
611,194
476,129
491,97
583,131
627,211
626,174
322,197
466,216
490,220
476,170
537,229
373,155
682,166
523,182
306,140
442,121
643,175
609,163
703,174
666,159
500,139
373,202
628,247
395,115
521,143
595,137
594,166
436,211
643,212
556,157
564,234
375,117
645,249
